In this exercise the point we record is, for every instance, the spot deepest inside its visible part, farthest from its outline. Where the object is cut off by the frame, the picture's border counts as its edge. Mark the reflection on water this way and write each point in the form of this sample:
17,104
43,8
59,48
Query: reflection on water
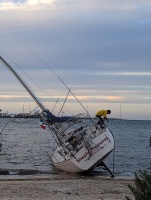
26,147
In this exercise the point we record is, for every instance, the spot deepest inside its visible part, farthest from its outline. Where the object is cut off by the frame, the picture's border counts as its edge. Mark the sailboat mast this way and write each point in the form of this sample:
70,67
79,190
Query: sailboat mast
23,84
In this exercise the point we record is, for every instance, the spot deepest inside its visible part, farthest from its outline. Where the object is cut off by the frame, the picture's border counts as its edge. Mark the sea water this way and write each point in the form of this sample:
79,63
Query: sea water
26,148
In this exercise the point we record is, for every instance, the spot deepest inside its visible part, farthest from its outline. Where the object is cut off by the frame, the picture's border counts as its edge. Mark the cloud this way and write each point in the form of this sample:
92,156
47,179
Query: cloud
101,5
8,5
101,49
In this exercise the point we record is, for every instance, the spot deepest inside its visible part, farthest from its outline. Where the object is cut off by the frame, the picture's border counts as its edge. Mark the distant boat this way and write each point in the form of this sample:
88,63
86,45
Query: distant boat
81,144
19,120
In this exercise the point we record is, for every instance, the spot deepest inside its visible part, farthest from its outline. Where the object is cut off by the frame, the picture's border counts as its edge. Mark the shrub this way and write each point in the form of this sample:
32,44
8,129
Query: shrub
142,188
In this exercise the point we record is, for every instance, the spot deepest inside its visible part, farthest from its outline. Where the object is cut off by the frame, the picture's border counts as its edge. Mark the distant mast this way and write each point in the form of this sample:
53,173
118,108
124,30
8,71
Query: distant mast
120,111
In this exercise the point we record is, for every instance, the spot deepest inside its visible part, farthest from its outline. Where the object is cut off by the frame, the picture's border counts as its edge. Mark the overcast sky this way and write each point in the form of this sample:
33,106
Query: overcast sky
100,49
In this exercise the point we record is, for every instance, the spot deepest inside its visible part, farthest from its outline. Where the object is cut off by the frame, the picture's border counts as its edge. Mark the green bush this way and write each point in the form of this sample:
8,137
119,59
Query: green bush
142,188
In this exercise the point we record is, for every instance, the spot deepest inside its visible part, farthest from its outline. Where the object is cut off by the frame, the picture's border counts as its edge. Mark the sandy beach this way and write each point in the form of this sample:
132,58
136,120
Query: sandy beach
65,187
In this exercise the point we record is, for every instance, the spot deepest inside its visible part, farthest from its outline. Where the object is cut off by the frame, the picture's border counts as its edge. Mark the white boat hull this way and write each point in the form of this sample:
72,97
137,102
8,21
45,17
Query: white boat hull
102,145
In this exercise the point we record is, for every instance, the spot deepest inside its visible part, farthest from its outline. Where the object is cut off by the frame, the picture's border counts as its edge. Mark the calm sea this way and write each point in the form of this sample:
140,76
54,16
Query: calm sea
26,148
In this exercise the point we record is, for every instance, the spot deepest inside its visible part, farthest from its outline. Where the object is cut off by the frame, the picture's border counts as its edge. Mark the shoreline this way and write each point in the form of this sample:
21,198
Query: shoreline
62,175
66,186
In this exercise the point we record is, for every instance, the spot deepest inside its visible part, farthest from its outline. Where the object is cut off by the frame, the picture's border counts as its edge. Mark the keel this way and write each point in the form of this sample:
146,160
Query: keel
105,166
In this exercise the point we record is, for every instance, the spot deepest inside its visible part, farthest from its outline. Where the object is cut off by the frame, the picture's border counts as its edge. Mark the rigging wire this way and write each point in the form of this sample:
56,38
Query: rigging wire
56,100
64,103
55,74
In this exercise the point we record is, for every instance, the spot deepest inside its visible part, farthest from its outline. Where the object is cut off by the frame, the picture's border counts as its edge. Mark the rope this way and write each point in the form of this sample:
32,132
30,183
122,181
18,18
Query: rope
3,130
114,156
113,150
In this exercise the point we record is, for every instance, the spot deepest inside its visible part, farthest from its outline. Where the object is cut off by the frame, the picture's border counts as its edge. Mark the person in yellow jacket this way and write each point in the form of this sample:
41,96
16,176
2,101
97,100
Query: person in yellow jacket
102,115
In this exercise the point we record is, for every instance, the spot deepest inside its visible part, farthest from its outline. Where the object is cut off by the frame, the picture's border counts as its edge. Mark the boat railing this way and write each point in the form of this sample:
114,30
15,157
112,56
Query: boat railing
76,134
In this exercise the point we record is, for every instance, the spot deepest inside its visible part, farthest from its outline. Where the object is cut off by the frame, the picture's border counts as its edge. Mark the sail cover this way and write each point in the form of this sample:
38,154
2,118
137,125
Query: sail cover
53,119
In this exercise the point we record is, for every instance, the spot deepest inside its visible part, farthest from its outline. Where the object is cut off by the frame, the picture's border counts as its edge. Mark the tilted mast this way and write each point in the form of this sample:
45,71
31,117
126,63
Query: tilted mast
23,84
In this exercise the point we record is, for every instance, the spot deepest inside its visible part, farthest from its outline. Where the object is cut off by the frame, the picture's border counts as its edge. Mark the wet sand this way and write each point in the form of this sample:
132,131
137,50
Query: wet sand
64,187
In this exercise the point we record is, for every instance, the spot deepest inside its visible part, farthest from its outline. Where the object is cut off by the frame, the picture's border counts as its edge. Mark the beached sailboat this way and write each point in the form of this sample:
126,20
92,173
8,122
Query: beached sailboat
81,144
